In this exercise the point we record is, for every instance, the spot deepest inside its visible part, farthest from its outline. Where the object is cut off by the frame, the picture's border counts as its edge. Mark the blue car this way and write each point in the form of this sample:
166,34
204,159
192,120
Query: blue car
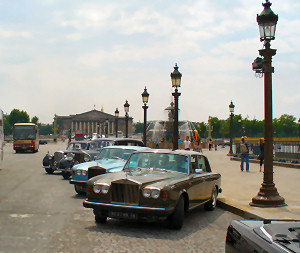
111,159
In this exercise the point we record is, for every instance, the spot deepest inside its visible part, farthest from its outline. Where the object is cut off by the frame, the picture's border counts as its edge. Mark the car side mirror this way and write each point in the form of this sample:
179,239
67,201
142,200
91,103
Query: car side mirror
198,170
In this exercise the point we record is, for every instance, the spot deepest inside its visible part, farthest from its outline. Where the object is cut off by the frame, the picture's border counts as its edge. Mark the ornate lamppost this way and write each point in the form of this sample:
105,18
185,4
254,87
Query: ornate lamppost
176,81
267,195
126,109
106,124
145,97
299,127
117,117
231,110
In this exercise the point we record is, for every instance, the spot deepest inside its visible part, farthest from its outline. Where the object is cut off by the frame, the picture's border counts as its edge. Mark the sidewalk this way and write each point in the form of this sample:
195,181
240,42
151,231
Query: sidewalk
240,187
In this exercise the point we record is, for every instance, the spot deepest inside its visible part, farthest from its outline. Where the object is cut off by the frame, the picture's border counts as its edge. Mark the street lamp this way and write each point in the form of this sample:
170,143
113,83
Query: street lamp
231,110
299,127
106,121
267,195
176,81
145,97
126,109
117,117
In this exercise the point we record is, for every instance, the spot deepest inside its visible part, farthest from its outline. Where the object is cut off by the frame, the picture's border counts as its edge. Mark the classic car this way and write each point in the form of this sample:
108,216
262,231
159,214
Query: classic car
71,157
263,236
51,162
155,184
111,159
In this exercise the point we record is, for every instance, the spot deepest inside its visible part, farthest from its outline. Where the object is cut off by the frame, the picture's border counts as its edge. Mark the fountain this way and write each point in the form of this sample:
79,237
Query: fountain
160,132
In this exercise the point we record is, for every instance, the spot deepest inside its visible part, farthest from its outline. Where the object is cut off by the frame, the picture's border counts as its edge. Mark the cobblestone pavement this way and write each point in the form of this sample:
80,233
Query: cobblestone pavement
42,213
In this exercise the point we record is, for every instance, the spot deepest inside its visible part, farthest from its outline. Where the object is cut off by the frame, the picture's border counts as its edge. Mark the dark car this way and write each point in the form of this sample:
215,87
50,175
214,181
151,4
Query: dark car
155,185
263,236
53,162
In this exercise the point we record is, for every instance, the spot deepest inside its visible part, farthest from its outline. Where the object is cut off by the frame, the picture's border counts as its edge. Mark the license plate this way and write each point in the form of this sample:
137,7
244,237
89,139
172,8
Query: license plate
123,215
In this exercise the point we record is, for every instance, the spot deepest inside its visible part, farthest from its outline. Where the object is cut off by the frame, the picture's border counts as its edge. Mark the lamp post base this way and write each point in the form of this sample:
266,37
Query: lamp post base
268,197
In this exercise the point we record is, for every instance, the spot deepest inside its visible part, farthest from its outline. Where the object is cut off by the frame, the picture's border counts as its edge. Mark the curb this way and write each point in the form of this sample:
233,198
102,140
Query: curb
279,164
235,209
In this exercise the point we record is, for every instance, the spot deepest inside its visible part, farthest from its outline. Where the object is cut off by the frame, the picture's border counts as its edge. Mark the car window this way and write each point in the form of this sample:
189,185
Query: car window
171,162
77,145
110,153
201,163
194,163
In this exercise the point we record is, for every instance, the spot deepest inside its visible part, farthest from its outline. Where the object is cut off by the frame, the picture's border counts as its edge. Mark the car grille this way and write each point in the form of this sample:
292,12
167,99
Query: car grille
125,193
79,157
95,171
58,156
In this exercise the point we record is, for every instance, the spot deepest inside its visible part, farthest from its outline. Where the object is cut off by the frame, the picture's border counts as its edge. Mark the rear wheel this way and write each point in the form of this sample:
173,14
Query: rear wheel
212,203
100,219
176,218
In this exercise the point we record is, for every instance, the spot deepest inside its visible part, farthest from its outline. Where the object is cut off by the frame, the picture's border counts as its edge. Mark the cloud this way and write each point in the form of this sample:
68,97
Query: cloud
4,33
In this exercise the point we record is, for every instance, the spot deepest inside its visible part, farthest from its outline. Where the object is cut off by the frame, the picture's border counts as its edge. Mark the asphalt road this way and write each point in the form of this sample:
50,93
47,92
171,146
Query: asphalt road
42,213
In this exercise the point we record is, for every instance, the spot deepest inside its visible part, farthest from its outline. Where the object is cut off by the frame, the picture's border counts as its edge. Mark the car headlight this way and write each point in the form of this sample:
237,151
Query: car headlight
78,172
70,156
97,188
86,158
83,172
155,193
101,188
147,193
151,193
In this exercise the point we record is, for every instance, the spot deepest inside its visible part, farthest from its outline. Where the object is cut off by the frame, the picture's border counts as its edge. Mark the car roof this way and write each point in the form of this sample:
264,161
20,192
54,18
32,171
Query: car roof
169,151
116,139
126,147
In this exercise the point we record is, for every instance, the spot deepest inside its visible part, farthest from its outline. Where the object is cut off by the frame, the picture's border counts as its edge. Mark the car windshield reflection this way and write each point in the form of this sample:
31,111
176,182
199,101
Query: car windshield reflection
171,162
77,145
114,153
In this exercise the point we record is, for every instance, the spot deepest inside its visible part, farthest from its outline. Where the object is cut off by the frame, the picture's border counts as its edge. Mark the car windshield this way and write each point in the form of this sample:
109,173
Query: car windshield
24,133
98,145
77,145
115,153
173,162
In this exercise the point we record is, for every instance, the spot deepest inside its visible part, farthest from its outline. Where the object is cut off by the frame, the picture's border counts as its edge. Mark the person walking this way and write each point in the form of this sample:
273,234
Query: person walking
244,147
197,147
187,143
262,152
216,144
210,144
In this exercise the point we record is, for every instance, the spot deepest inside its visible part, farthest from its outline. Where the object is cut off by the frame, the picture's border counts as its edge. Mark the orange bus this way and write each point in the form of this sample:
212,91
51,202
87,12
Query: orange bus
26,137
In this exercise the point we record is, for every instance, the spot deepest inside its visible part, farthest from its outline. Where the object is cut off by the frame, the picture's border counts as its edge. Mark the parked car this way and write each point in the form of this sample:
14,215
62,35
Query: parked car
53,162
263,236
67,159
155,184
111,159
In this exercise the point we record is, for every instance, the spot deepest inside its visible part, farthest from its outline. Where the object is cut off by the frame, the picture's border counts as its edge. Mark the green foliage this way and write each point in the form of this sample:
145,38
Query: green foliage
7,127
35,120
46,129
17,116
139,127
285,126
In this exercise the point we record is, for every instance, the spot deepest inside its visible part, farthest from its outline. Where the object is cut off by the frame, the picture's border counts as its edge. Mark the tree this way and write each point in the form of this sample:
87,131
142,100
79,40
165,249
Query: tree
139,127
7,127
17,116
35,120
46,129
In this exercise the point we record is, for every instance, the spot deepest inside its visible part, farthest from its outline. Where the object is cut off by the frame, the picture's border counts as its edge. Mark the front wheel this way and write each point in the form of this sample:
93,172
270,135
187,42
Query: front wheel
49,170
176,218
212,203
66,175
80,192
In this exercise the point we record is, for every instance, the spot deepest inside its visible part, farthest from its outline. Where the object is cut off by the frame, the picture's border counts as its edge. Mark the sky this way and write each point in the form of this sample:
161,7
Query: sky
69,57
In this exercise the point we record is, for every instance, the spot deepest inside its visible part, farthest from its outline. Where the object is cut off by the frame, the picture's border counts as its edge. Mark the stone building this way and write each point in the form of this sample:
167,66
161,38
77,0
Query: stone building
93,122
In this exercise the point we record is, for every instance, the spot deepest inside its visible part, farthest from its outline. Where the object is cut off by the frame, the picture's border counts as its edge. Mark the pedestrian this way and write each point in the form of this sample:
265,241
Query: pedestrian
210,144
244,147
187,143
216,144
197,147
262,152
